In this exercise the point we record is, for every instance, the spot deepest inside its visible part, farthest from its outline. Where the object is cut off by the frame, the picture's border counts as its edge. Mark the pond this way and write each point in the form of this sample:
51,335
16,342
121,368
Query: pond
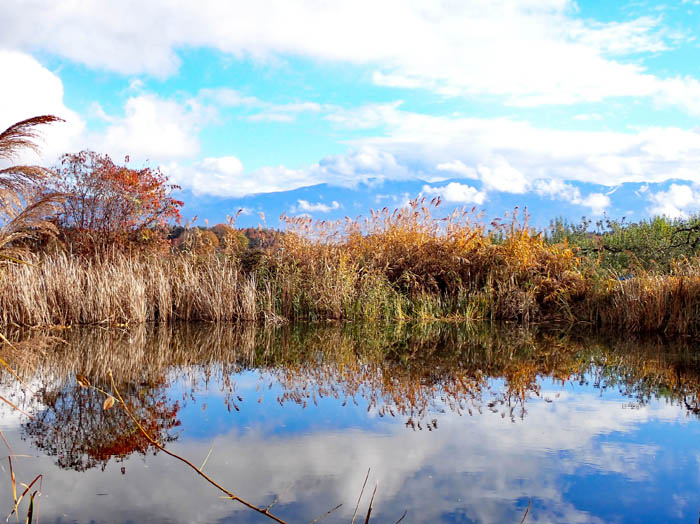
438,423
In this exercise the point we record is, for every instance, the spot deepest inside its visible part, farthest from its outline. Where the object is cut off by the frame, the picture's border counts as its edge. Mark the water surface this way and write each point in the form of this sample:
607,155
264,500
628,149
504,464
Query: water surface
454,424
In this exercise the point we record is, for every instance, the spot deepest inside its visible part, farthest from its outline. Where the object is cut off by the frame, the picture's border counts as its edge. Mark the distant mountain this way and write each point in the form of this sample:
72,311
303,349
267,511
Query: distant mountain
324,201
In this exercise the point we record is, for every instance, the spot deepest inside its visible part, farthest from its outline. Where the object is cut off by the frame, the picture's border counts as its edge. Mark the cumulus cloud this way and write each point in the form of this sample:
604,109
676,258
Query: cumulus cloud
458,167
501,176
149,127
226,177
360,164
528,52
504,155
217,176
560,190
304,206
223,176
678,201
153,128
510,154
457,193
598,202
29,89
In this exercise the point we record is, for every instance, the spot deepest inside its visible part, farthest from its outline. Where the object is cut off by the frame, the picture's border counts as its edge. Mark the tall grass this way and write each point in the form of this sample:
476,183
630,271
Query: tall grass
393,266
24,206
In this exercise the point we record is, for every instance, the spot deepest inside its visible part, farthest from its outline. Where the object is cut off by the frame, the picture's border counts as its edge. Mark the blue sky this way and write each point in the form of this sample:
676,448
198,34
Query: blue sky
330,109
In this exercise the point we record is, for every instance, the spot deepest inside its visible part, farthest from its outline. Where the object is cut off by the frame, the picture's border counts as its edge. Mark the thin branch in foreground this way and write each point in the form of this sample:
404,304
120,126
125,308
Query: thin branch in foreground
371,502
360,497
527,510
325,514
157,444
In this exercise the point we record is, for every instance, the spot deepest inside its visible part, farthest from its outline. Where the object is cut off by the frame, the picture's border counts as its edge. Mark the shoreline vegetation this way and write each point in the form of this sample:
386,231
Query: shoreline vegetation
399,266
92,242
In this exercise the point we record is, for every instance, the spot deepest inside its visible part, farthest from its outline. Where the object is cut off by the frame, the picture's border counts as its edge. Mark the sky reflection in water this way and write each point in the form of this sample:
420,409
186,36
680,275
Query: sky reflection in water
579,448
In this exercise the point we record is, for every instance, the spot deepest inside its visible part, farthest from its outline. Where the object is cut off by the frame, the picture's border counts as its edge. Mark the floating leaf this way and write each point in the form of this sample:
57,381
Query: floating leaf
84,382
109,402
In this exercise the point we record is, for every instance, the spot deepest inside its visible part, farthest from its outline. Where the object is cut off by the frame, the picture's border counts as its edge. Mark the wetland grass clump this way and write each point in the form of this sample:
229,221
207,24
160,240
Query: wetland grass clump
431,267
404,265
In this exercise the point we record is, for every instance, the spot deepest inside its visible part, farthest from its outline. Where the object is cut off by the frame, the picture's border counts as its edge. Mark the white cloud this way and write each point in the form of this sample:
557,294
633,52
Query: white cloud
150,128
312,207
641,35
400,200
507,150
508,155
229,97
678,202
457,193
29,89
263,111
395,80
359,165
219,175
459,168
226,177
528,52
557,189
153,128
560,190
598,203
364,117
501,176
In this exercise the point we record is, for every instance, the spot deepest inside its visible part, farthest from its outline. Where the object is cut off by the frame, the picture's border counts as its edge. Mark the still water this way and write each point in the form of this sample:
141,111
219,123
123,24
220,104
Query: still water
453,423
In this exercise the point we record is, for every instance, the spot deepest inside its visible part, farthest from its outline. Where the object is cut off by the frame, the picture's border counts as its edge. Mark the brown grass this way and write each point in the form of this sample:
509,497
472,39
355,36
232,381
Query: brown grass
405,265
24,206
401,266
651,302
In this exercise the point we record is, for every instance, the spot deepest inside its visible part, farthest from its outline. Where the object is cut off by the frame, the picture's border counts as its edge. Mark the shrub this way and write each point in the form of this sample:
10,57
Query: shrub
108,205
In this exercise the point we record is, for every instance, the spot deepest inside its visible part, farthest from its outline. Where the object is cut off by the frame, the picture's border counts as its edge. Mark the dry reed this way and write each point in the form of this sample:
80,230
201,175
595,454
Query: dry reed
405,265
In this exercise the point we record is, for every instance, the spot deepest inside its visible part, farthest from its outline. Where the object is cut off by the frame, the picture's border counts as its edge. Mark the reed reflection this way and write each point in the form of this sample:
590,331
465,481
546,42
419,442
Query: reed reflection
413,373
410,371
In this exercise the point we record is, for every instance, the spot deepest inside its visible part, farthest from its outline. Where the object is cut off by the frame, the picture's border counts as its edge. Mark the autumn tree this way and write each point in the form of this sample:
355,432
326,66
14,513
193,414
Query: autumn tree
113,205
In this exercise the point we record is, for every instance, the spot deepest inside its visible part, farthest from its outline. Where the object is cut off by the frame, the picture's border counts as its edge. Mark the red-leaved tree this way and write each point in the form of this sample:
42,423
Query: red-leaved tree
108,205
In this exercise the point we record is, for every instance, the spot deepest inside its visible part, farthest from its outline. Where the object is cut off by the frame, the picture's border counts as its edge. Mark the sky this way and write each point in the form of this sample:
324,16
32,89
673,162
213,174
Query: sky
329,109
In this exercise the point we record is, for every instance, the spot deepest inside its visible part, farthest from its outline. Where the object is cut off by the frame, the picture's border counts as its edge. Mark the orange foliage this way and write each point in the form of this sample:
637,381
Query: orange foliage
111,205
